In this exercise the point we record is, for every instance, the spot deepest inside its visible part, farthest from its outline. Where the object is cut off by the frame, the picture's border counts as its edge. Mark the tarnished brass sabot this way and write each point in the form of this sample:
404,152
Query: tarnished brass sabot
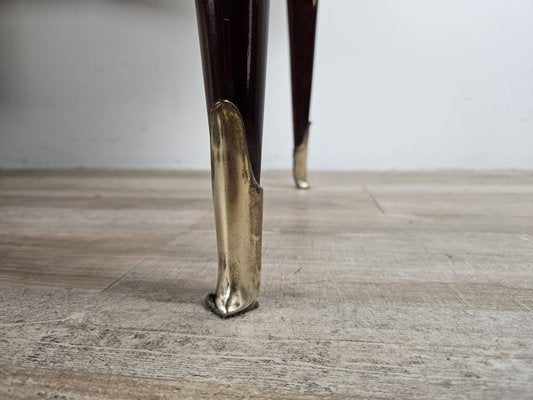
238,201
299,169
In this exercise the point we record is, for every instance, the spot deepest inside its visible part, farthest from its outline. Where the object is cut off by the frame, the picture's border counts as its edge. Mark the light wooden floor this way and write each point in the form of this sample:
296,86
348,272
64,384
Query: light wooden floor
375,285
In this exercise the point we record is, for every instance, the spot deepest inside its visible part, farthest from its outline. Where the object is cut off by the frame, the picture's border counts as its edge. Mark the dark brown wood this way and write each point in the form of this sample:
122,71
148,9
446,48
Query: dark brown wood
302,29
233,40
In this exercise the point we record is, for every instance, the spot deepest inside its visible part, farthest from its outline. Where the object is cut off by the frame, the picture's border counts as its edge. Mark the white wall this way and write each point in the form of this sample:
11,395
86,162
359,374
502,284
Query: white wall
402,84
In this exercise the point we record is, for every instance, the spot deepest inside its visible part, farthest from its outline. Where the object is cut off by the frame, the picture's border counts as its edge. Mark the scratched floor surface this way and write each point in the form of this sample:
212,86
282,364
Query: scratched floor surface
375,285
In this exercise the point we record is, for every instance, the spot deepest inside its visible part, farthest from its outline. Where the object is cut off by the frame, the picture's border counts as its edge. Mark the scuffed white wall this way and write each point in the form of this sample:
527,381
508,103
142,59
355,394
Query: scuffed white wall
399,84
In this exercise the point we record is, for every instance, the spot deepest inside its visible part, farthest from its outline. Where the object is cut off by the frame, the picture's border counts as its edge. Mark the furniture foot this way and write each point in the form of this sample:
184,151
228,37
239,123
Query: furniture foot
302,31
233,39
299,169
238,201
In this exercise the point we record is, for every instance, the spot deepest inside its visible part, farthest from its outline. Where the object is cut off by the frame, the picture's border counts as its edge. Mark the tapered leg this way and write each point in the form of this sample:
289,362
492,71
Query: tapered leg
233,40
302,29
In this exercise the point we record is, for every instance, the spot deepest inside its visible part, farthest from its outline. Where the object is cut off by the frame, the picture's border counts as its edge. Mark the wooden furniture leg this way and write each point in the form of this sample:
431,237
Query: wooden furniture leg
233,40
302,29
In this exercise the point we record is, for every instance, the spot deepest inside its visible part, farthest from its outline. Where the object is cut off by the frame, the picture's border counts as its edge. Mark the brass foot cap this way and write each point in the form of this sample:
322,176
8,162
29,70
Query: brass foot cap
210,301
302,184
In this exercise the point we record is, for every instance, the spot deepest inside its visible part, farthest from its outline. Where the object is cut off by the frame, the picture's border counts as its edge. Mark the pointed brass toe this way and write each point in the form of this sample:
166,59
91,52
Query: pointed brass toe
301,184
299,169
238,201
211,304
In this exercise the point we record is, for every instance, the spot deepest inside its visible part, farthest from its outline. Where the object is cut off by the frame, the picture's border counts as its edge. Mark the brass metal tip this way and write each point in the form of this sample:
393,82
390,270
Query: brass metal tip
302,185
211,302
238,201
299,167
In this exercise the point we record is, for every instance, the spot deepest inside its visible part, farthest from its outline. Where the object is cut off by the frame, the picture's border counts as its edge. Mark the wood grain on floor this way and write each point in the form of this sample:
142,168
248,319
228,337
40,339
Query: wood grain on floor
375,285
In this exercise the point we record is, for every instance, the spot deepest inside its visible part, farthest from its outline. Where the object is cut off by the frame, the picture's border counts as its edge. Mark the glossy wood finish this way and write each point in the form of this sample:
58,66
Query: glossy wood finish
302,29
233,39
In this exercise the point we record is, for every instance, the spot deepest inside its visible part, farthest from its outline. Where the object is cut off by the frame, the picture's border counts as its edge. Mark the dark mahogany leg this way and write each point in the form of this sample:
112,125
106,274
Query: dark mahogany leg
233,40
302,29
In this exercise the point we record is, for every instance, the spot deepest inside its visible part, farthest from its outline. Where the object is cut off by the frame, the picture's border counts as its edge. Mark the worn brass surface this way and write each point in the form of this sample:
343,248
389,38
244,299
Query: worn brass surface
238,201
300,163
